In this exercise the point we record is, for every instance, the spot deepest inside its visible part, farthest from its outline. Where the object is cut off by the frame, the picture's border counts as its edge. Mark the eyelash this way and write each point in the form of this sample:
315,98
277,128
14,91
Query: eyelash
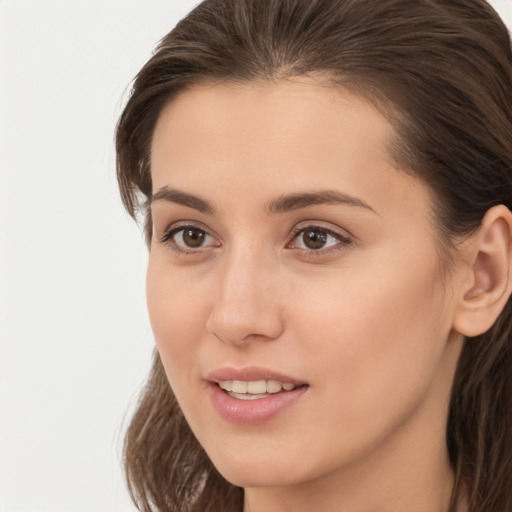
343,240
171,232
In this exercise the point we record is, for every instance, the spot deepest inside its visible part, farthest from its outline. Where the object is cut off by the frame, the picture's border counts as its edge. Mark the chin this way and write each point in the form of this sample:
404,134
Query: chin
246,471
254,477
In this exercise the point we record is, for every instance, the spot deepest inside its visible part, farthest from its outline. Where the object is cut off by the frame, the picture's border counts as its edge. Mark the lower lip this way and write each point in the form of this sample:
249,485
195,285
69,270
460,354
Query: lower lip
250,412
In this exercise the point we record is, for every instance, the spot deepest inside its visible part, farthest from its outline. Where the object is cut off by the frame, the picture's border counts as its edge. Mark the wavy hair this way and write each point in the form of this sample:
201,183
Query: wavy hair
441,72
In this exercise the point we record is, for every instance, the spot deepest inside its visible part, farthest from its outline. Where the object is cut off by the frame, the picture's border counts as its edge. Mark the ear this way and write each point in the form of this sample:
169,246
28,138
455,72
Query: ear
488,283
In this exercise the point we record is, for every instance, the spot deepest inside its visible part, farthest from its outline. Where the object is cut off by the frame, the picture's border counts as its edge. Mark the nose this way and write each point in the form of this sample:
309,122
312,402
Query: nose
246,306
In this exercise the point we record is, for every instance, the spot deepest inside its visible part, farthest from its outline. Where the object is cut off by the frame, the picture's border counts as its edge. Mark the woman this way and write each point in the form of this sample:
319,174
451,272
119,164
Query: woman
327,189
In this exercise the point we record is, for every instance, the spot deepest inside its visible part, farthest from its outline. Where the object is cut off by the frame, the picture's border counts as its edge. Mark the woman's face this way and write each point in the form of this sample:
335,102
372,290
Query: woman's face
294,284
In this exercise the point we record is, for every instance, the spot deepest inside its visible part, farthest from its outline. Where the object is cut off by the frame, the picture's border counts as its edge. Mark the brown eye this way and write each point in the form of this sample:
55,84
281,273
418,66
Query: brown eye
314,238
189,238
318,239
193,237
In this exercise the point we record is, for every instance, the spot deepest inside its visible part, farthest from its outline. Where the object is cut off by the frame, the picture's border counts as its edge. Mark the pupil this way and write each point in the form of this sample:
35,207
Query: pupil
315,238
193,237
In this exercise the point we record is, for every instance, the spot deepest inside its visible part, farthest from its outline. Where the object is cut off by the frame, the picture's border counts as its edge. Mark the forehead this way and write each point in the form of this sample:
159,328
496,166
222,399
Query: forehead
270,113
274,137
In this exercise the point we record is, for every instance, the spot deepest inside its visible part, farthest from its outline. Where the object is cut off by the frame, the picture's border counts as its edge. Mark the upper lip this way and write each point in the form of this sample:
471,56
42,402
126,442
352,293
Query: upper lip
250,373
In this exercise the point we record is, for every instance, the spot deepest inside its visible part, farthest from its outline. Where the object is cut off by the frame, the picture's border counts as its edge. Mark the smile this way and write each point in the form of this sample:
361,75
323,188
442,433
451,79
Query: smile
253,395
254,389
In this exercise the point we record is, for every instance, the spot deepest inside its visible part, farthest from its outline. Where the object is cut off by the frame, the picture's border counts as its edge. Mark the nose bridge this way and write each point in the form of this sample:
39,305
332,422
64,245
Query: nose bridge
246,302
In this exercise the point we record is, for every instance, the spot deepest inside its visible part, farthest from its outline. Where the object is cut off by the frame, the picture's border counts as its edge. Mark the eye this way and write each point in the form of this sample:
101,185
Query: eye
317,238
188,238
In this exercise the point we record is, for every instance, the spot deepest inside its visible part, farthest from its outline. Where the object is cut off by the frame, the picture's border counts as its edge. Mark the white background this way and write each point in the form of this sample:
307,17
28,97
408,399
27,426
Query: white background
75,339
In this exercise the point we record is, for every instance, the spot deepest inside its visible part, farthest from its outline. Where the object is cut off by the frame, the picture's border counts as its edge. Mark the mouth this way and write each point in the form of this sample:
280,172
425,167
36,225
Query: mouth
253,395
255,389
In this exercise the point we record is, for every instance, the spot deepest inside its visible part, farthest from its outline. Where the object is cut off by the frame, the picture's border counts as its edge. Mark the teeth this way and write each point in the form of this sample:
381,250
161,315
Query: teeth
247,396
227,385
258,388
273,386
239,386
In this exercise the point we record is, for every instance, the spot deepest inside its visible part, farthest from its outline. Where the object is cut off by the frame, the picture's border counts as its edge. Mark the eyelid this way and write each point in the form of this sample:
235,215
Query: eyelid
181,224
175,227
343,236
334,230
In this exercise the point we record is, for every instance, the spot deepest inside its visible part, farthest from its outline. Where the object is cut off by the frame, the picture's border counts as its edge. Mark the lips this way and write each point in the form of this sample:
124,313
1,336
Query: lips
250,373
253,395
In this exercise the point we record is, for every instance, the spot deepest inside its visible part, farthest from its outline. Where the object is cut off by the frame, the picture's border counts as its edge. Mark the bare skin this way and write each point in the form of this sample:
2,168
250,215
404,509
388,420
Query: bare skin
343,292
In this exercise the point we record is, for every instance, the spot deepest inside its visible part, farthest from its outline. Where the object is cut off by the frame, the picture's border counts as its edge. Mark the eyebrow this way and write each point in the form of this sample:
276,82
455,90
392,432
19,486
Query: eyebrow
281,204
179,197
304,199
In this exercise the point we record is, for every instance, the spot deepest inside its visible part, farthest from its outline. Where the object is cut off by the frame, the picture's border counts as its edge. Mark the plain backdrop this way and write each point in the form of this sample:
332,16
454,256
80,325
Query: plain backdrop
75,341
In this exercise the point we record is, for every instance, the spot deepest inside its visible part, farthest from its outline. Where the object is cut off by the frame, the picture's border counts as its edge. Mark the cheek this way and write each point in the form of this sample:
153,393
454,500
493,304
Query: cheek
373,345
376,334
177,312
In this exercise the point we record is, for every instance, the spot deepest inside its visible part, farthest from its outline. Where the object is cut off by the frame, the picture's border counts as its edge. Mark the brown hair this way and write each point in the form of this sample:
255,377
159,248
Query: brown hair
441,70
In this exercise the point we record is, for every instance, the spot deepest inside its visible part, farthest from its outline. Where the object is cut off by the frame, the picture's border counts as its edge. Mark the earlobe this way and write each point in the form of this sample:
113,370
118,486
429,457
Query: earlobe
490,256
